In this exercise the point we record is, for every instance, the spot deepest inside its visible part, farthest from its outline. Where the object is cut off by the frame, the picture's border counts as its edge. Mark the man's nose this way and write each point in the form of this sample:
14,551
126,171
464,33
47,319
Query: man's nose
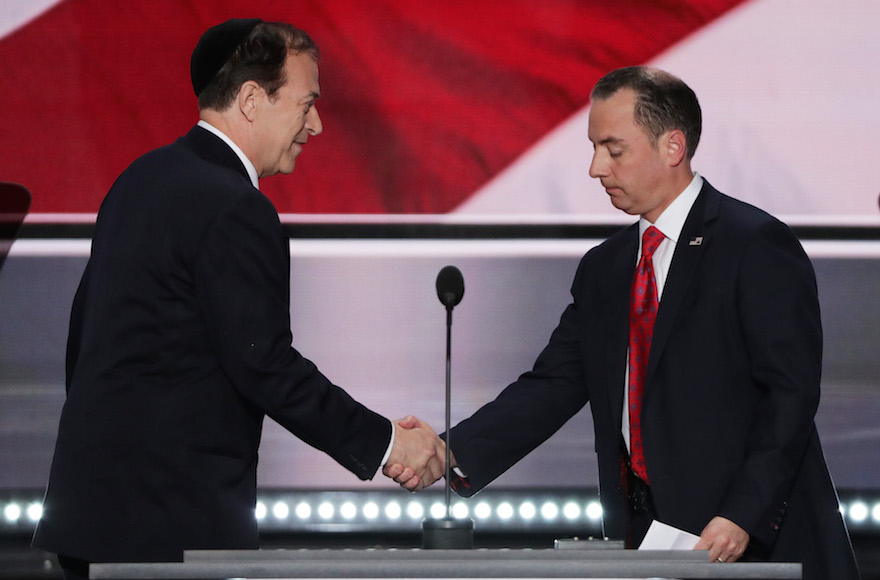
597,166
313,122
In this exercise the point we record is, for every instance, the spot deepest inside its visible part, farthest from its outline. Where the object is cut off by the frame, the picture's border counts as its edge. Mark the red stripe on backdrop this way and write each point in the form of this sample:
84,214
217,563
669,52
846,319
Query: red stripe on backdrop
422,102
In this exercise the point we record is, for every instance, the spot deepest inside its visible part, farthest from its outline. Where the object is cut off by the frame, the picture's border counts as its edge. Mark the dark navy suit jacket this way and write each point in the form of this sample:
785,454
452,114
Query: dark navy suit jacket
179,345
731,392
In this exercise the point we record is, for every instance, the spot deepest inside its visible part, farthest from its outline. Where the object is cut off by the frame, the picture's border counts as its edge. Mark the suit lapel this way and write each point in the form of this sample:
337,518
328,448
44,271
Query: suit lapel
620,281
694,241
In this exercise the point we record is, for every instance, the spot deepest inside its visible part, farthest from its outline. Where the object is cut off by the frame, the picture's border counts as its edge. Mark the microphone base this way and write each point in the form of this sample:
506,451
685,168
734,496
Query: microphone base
447,534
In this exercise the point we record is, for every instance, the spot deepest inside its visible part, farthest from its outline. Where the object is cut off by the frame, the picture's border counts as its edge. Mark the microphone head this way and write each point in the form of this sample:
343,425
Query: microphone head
450,286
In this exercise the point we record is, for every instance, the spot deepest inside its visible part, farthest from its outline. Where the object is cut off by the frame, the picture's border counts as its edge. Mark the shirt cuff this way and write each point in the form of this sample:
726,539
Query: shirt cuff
388,451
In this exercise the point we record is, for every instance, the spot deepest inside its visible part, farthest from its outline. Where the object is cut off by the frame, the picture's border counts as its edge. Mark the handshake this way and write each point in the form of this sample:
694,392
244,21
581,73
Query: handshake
418,457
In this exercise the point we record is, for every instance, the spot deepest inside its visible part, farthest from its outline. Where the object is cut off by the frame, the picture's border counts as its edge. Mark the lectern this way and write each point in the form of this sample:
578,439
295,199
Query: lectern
418,563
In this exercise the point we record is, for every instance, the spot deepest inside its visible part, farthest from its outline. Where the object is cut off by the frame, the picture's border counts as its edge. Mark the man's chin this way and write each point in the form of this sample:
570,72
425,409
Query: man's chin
287,167
622,207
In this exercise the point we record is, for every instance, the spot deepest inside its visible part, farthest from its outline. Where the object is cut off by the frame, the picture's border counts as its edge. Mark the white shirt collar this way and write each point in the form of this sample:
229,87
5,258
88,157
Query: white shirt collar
671,221
251,170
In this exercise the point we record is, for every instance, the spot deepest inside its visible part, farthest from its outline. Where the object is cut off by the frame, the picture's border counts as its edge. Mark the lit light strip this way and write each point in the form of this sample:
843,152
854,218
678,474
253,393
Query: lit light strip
409,248
37,248
593,219
393,248
519,511
841,249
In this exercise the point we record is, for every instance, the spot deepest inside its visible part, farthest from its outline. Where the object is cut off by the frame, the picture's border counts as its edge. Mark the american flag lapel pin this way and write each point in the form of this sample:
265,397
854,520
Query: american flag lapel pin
698,241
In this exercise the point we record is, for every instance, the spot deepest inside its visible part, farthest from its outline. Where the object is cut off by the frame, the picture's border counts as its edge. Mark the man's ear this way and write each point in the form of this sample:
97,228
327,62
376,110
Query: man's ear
676,147
248,99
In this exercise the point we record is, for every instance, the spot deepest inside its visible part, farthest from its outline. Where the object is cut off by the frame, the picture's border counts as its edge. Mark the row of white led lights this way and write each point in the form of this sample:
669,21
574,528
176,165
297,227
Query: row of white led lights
860,512
329,511
15,512
857,512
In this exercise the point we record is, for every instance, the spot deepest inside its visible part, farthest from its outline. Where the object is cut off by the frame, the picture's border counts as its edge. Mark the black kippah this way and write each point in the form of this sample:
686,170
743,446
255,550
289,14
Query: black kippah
215,47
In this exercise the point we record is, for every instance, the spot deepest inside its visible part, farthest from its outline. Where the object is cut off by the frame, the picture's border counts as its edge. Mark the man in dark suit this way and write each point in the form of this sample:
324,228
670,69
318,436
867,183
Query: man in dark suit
722,441
180,338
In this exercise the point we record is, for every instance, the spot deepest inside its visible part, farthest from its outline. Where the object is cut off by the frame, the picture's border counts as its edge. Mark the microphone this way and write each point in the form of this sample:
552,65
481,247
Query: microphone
450,286
448,533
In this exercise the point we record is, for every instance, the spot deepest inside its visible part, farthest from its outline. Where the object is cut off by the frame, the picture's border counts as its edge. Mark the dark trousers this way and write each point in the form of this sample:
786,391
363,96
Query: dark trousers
73,568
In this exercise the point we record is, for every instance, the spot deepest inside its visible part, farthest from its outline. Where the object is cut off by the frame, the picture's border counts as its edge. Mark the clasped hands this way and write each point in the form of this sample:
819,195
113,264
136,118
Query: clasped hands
418,457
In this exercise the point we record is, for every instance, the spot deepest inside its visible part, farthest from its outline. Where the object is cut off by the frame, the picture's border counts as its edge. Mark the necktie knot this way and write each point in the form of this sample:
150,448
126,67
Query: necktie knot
651,241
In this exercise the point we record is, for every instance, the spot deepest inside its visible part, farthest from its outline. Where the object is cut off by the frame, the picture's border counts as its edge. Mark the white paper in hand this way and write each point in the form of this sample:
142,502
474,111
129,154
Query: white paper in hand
662,536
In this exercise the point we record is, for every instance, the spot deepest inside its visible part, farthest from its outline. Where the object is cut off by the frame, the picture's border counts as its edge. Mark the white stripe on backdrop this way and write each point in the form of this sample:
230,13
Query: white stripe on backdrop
790,119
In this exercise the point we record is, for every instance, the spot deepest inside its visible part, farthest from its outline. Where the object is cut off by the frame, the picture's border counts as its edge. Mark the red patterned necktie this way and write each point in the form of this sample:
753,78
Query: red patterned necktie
642,313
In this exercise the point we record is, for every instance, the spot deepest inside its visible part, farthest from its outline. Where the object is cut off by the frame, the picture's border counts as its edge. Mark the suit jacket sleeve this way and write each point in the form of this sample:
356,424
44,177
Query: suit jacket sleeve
243,281
526,413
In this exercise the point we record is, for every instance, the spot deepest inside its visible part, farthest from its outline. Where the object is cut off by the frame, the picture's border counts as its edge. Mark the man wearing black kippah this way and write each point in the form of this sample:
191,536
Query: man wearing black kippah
180,337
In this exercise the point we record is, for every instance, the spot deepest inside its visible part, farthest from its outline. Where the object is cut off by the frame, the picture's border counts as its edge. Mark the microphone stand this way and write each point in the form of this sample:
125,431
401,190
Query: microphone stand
448,487
448,533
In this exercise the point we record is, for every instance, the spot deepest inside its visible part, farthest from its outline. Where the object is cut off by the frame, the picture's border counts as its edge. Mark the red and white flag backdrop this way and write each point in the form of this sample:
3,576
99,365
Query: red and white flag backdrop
460,107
